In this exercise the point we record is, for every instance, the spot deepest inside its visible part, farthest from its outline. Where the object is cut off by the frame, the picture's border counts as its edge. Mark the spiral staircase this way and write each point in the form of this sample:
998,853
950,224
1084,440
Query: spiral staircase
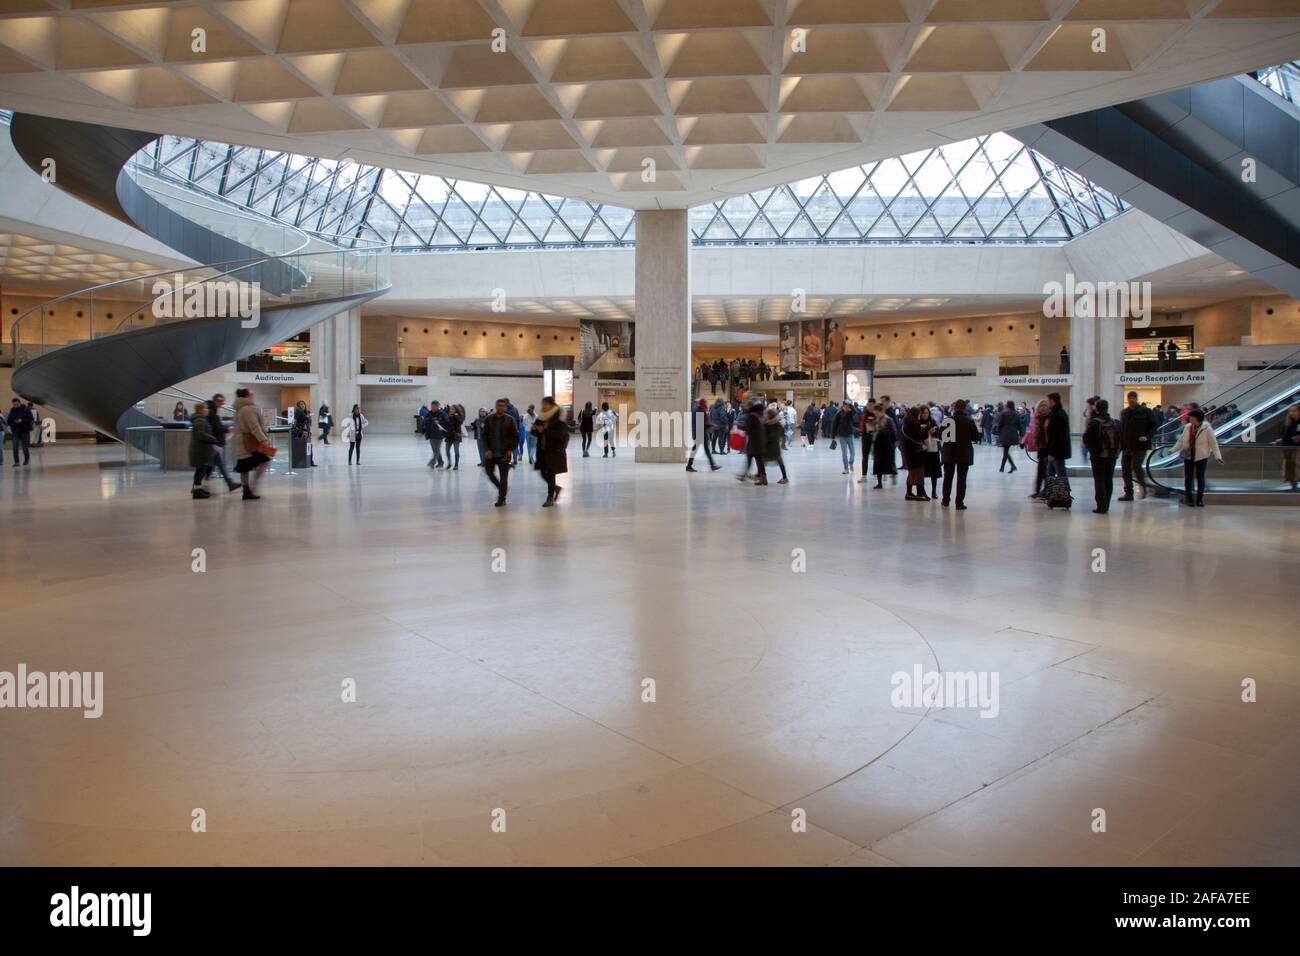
127,342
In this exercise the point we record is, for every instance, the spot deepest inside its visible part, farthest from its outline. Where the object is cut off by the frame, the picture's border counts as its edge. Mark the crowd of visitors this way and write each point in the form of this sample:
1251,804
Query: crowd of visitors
929,442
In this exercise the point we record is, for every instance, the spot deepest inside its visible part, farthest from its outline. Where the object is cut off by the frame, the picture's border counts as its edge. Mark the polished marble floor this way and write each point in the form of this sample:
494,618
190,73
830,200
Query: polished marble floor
516,695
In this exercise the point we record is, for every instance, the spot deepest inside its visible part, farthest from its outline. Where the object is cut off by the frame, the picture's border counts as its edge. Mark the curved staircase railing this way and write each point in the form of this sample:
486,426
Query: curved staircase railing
95,354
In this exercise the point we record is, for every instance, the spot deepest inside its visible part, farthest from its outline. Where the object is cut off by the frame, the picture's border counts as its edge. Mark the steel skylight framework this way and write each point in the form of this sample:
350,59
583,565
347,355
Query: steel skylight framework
1284,80
986,190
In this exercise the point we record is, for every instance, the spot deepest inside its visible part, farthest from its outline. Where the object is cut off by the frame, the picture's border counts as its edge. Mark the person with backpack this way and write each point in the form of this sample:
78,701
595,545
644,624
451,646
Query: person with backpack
1136,423
1105,441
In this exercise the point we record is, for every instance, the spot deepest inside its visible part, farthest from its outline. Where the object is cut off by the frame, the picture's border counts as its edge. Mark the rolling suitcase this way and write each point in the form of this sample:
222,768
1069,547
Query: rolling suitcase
1056,491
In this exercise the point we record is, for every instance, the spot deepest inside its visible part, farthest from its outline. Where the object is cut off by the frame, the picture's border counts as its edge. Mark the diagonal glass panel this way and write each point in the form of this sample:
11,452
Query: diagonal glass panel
990,188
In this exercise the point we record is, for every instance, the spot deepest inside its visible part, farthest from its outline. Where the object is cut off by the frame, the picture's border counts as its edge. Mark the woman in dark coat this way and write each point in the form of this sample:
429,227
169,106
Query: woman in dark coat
452,432
586,427
219,431
915,434
883,446
201,444
772,439
552,444
1009,434
933,456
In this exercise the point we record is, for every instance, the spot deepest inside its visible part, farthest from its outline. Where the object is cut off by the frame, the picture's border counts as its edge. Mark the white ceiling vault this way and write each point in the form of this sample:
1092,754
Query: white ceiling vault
585,91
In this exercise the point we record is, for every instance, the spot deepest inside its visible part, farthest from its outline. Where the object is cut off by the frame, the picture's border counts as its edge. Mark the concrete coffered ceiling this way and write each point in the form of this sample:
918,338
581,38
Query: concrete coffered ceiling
585,91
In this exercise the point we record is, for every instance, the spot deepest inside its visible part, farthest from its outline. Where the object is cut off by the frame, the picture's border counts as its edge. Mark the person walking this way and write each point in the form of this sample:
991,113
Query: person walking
755,443
772,434
359,426
866,432
500,438
1136,424
586,428
202,443
253,448
552,444
842,431
1009,435
219,430
1196,445
811,417
324,421
20,421
478,428
434,434
608,423
530,437
1105,441
453,434
960,435
721,426
700,420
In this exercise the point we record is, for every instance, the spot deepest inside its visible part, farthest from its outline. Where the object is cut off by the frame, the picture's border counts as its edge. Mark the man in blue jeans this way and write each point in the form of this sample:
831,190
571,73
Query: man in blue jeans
21,420
842,430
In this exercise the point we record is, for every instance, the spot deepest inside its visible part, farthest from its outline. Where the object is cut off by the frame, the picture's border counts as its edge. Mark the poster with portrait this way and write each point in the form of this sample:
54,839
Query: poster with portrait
789,348
812,345
606,346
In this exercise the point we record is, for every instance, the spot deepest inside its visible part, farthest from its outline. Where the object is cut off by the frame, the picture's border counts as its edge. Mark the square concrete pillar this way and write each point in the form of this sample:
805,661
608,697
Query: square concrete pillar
336,358
663,329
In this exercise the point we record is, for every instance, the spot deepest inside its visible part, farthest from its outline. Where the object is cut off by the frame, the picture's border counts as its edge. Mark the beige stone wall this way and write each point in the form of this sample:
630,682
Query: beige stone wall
454,338
1280,328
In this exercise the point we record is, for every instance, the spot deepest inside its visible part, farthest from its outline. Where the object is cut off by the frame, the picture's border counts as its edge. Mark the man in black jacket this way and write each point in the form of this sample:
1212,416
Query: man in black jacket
960,434
1136,423
1058,436
501,438
20,421
1104,440
433,431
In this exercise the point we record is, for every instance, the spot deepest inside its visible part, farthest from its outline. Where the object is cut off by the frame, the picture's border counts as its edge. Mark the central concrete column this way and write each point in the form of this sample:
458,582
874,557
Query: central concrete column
663,330
336,358
1083,366
1110,360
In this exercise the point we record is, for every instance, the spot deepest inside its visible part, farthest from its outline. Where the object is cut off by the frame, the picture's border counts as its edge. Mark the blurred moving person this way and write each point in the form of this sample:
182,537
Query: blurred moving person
552,445
500,438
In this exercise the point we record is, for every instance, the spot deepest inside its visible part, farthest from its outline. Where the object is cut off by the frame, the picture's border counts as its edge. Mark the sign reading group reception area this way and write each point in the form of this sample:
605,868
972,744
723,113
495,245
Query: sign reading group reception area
1037,381
1161,378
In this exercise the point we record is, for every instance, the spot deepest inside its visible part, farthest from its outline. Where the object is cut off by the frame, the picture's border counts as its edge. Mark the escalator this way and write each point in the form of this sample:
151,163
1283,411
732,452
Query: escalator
1218,162
1248,421
257,282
